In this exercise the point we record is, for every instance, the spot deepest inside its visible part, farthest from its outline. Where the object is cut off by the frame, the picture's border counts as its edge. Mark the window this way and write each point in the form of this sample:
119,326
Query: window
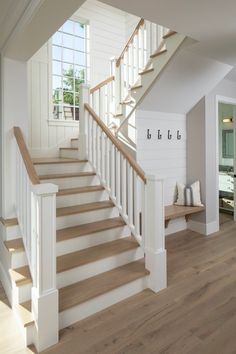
70,68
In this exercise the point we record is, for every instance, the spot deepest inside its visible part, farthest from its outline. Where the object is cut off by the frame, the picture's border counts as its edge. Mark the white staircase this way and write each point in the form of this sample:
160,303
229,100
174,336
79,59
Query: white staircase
96,257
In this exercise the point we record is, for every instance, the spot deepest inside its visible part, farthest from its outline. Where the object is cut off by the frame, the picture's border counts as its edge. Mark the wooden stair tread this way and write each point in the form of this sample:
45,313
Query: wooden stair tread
13,246
136,87
158,53
9,222
25,314
88,289
83,208
20,276
68,148
146,71
169,34
79,190
59,160
90,228
74,139
95,253
66,175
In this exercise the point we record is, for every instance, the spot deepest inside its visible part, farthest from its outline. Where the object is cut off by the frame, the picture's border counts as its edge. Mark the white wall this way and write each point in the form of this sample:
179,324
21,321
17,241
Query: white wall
165,158
203,139
109,29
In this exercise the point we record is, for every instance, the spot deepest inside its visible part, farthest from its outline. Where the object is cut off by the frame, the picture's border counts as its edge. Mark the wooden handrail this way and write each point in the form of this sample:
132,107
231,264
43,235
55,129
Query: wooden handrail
26,156
117,144
140,23
103,83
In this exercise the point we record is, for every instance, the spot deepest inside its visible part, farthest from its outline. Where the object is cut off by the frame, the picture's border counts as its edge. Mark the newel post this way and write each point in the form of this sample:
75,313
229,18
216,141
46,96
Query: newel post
155,253
83,122
44,292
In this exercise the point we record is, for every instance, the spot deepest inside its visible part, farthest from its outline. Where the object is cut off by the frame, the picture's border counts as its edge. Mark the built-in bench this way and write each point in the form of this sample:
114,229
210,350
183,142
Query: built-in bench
177,211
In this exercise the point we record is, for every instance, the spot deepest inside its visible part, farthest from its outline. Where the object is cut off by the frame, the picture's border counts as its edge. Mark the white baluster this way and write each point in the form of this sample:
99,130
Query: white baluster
103,163
130,195
124,185
118,172
112,171
141,45
136,204
108,163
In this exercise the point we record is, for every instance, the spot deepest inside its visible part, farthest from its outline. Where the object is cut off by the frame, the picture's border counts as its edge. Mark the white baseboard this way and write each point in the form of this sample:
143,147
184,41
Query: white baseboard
203,228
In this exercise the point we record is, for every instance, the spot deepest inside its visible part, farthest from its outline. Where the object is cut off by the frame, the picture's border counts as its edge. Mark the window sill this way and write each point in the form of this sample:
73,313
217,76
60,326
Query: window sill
63,123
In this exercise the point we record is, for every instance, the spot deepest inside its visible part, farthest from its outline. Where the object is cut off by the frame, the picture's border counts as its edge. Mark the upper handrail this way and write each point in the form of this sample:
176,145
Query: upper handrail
140,24
26,156
103,83
116,142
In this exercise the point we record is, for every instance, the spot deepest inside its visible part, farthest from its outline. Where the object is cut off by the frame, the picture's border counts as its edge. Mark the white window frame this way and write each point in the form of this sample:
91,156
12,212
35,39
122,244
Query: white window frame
64,122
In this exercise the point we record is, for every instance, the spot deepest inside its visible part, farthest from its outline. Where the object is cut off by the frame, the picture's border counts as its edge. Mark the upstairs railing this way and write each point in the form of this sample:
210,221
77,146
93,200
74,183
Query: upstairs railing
139,198
144,41
36,214
108,96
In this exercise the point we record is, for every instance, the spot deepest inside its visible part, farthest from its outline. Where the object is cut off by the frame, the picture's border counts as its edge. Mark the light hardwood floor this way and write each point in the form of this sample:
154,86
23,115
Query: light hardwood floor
195,315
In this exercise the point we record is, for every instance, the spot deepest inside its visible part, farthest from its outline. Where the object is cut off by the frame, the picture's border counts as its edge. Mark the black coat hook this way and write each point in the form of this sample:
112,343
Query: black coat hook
169,135
178,135
149,136
159,135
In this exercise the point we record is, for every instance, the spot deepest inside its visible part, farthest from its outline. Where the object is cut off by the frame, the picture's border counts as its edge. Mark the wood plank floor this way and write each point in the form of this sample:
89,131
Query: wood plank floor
195,315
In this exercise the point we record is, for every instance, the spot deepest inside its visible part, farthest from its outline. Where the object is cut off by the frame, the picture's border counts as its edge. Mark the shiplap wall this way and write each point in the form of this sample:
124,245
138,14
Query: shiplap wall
165,158
109,30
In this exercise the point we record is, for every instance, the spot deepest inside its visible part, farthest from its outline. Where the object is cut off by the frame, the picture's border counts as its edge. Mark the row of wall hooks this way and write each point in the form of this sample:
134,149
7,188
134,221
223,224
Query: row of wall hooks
160,135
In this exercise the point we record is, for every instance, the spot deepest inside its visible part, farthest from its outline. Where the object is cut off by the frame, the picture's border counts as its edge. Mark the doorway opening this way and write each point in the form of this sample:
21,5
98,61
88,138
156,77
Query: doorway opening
226,160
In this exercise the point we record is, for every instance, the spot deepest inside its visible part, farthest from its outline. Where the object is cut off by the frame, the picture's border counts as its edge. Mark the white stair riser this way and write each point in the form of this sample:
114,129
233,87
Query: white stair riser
21,293
81,198
27,332
63,168
89,270
74,182
79,312
73,154
86,241
12,232
74,143
87,217
18,259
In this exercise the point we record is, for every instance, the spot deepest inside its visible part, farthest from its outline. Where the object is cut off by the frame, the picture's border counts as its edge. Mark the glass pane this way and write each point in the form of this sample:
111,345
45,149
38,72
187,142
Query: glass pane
68,41
68,84
56,68
80,44
68,70
68,112
68,55
56,38
56,53
57,112
56,82
79,72
57,96
76,113
80,58
79,29
68,27
68,98
77,99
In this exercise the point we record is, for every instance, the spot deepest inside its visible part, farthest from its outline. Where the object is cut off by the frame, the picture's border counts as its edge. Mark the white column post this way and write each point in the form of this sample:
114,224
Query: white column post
44,292
155,233
83,122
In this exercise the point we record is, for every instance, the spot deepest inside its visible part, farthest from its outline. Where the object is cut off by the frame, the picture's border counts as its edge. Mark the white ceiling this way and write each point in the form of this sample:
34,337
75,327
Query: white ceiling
211,22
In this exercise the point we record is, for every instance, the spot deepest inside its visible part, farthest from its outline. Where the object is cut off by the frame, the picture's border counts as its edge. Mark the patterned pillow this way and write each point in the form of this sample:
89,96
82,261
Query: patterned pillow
189,196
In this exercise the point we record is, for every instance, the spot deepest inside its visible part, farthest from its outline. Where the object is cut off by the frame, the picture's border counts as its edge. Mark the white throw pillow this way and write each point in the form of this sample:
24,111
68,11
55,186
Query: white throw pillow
189,196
